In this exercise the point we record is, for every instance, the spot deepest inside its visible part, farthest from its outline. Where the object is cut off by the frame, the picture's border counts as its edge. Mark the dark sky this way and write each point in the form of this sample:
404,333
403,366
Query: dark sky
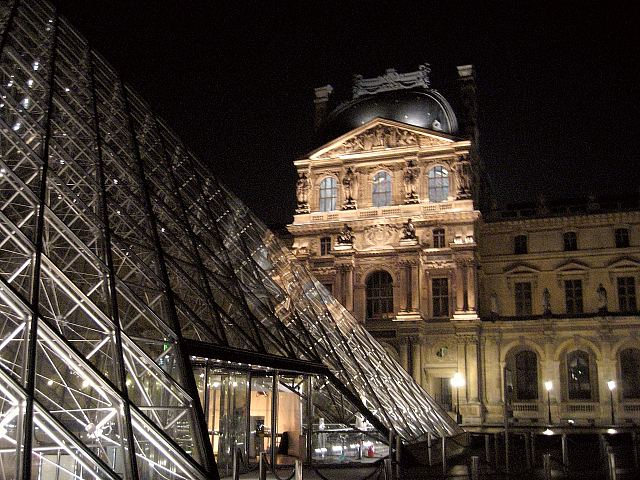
558,86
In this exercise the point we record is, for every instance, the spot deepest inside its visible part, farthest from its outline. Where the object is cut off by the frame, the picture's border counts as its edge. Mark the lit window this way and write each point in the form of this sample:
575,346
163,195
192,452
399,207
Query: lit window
629,368
520,244
622,237
438,182
627,294
325,245
578,376
523,298
573,296
328,194
379,295
438,238
440,295
570,241
381,189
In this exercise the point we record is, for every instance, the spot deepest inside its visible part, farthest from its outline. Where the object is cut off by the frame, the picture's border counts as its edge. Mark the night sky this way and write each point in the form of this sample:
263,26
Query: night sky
558,87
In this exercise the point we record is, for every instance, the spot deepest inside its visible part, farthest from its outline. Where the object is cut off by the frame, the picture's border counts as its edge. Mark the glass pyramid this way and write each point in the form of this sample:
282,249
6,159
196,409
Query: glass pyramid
117,254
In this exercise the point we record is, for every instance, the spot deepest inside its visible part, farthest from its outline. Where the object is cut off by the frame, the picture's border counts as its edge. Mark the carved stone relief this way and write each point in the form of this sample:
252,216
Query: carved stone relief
379,235
382,136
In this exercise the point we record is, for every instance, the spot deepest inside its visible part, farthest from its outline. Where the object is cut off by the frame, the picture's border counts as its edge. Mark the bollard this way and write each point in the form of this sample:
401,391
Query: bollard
298,470
235,464
565,452
388,475
429,449
487,448
612,466
444,456
475,467
546,465
262,466
527,452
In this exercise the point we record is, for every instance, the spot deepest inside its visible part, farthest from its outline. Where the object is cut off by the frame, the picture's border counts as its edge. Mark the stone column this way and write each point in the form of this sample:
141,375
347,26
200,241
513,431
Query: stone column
471,287
471,353
404,356
459,288
415,288
408,285
417,361
349,288
359,308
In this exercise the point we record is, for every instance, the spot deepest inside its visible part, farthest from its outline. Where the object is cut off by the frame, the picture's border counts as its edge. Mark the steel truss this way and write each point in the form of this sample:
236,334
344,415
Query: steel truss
115,248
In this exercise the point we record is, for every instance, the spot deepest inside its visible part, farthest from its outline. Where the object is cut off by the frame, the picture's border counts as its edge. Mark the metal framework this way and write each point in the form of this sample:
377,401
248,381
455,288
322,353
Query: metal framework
115,249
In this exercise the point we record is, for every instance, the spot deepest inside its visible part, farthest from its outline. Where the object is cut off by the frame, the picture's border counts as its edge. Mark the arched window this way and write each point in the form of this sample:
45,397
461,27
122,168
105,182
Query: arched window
578,376
328,194
526,363
438,183
381,189
629,368
379,295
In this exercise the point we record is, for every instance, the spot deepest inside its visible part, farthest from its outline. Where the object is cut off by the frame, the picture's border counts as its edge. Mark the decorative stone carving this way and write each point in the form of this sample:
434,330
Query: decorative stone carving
411,175
546,301
348,185
408,230
391,80
346,236
463,170
383,136
602,299
379,235
302,194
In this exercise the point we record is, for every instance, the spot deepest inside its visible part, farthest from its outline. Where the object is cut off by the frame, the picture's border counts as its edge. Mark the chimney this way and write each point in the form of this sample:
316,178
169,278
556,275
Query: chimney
467,84
322,103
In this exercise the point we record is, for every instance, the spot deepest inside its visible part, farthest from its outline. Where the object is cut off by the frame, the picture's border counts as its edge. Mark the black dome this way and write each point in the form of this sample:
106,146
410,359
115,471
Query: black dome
426,109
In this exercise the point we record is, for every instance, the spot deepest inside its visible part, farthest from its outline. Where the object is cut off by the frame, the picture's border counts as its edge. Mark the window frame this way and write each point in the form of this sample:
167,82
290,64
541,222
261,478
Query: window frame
520,245
526,386
379,306
386,194
621,236
575,388
570,241
439,300
523,302
631,370
325,246
574,303
332,198
628,296
439,238
438,184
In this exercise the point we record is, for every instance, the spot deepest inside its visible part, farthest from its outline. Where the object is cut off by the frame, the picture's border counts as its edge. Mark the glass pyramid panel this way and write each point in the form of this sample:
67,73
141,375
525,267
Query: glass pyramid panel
116,247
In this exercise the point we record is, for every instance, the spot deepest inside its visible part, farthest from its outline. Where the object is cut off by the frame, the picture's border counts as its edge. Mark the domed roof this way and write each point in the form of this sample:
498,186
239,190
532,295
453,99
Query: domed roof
426,109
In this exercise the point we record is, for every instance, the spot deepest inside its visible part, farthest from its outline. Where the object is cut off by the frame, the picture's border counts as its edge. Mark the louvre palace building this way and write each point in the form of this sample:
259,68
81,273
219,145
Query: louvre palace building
534,307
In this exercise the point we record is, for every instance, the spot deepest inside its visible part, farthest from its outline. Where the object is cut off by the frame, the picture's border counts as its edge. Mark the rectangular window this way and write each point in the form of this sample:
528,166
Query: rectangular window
325,245
438,238
523,298
440,294
570,242
627,294
573,296
520,244
445,393
622,238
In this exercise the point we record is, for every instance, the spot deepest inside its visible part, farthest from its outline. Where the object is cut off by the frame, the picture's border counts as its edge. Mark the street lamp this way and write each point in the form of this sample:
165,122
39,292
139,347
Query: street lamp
612,386
548,385
457,381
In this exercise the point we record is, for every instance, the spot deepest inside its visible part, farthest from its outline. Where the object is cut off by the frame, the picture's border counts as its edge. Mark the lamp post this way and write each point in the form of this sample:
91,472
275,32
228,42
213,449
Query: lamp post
548,385
612,386
457,381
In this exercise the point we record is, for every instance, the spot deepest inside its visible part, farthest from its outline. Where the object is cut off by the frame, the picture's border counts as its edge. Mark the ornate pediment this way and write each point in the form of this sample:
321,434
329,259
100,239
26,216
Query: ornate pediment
379,135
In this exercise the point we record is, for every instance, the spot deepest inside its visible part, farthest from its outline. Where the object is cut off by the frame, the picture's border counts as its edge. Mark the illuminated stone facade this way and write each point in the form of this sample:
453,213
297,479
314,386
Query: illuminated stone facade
388,219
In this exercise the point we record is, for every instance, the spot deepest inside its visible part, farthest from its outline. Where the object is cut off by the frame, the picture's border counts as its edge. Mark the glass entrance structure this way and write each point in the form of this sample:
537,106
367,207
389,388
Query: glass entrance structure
149,323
